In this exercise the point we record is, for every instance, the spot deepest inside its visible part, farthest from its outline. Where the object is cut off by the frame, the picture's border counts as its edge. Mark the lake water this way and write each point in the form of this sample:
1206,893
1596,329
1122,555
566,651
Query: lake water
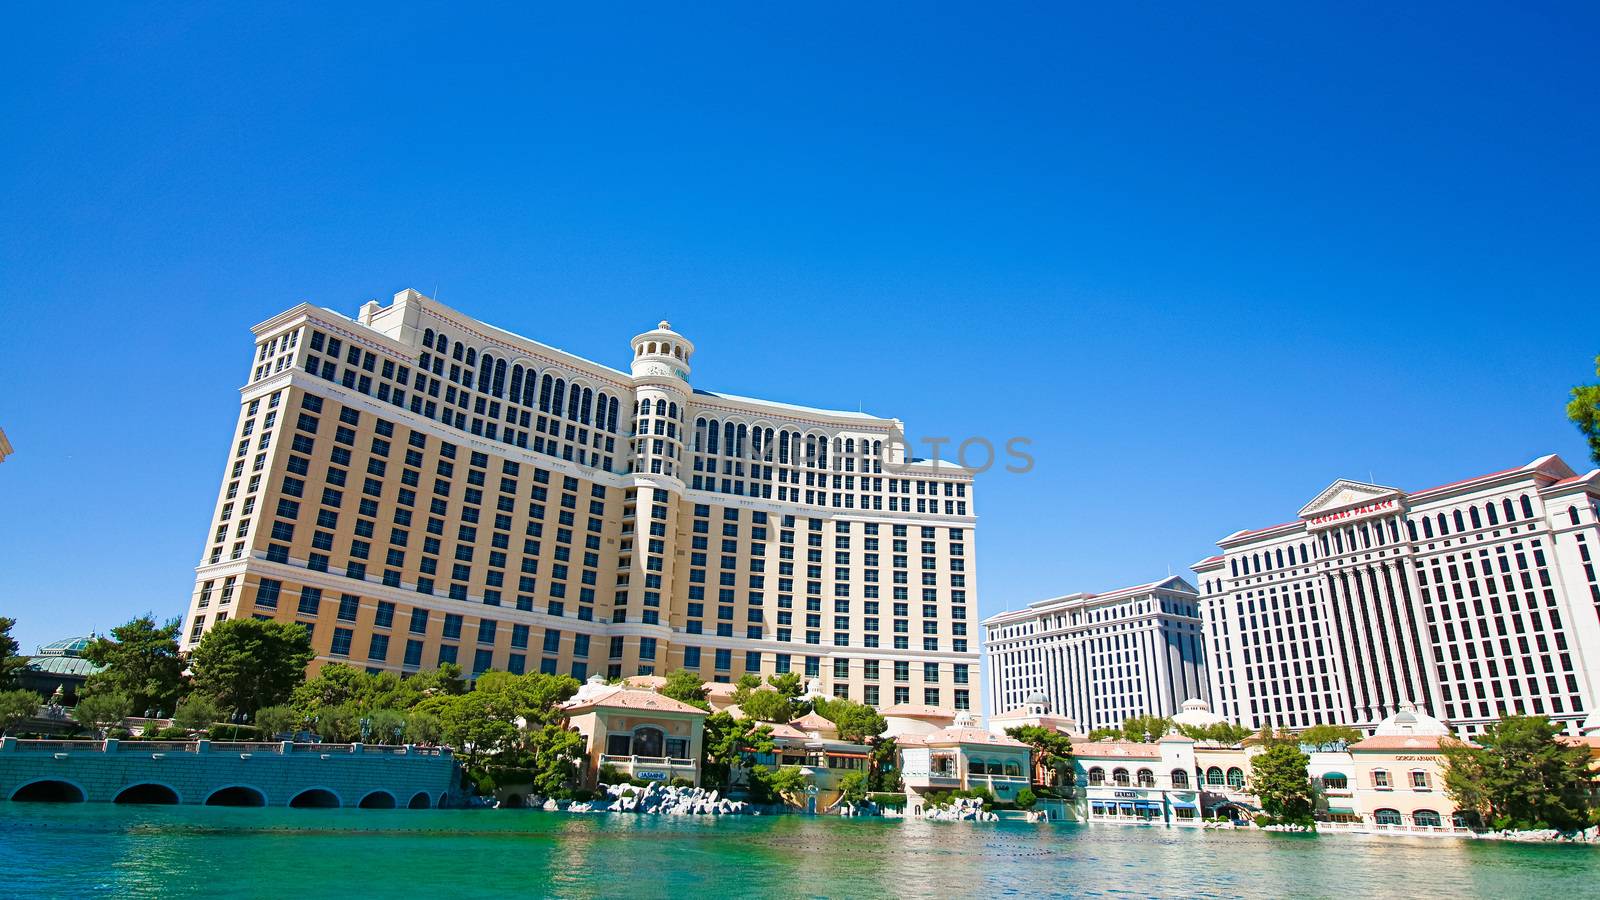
50,850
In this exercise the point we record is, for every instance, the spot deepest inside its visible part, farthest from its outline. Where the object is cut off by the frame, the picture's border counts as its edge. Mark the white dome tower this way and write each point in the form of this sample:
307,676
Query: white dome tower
662,353
661,392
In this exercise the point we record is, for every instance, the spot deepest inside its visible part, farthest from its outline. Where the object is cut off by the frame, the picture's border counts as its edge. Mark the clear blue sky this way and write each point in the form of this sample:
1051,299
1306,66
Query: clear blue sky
1206,261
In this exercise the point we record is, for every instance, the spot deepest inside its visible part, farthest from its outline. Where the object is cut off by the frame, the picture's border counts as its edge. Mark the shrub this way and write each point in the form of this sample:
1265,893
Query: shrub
888,801
681,783
1026,798
196,712
275,720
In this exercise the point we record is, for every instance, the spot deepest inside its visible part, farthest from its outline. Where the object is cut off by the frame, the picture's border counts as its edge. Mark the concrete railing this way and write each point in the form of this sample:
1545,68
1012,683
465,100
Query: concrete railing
282,748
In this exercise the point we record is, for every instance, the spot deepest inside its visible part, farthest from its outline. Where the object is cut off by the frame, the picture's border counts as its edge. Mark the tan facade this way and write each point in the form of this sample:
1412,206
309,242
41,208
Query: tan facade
637,732
417,487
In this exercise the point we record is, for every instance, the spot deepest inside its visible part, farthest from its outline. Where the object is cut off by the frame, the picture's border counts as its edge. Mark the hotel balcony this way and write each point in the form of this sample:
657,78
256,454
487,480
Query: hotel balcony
653,768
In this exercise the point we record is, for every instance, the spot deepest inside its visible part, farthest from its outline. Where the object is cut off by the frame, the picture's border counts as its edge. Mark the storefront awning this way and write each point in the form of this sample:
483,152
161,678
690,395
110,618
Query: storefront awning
1179,804
1145,804
1340,811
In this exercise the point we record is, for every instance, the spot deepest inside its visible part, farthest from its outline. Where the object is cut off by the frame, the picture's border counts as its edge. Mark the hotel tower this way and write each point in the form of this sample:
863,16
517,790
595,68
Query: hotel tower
417,487
1100,658
1471,600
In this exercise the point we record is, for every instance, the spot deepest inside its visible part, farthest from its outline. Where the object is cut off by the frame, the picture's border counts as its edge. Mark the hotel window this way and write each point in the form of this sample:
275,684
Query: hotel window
378,649
341,642
1419,780
1380,779
1236,778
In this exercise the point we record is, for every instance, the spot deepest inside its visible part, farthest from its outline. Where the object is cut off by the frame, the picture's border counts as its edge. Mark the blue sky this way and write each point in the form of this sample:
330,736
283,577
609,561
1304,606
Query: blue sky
1206,260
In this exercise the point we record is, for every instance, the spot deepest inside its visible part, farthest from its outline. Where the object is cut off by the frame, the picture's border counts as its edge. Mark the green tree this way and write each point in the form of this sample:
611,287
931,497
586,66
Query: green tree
1329,737
1105,734
747,684
557,753
1225,733
853,787
1026,798
141,661
1584,411
1052,752
339,723
857,722
17,707
685,687
12,661
780,785
422,728
503,719
789,684
1146,729
384,726
102,711
767,705
1520,775
884,774
280,719
725,740
335,684
196,713
245,664
1280,779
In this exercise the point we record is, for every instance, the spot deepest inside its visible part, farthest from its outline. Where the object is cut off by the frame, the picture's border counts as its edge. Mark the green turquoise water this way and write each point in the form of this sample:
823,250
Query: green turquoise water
83,849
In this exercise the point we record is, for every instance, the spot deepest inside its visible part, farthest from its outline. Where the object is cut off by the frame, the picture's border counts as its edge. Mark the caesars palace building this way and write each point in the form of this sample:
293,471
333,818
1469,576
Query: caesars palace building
417,487
1472,600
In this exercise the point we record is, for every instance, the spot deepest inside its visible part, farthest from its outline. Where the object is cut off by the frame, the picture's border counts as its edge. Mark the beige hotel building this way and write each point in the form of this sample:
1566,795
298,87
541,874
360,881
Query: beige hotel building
418,487
1472,600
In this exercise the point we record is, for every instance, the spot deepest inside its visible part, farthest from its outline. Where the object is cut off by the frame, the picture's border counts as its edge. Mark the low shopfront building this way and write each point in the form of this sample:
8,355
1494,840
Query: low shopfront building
637,732
963,757
1130,783
1397,779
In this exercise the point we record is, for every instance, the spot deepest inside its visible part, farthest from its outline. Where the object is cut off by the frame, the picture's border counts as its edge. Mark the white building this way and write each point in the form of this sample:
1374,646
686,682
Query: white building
1134,651
1473,599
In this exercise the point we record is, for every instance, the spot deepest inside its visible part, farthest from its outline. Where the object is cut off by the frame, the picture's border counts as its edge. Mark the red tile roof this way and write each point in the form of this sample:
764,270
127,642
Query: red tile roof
633,698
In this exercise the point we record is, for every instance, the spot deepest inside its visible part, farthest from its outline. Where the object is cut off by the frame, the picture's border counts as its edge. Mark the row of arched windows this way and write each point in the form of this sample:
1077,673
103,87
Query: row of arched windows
661,347
1257,563
784,447
551,394
1366,535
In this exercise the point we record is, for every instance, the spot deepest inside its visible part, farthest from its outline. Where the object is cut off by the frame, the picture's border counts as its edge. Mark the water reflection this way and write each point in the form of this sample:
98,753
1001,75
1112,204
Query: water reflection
189,851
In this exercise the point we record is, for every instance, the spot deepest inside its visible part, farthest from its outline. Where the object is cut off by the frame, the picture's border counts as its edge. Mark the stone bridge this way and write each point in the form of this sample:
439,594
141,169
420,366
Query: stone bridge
220,773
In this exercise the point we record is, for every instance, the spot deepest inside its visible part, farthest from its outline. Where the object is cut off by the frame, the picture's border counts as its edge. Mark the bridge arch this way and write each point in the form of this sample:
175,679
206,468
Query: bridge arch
316,798
377,800
50,790
148,792
237,795
420,800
